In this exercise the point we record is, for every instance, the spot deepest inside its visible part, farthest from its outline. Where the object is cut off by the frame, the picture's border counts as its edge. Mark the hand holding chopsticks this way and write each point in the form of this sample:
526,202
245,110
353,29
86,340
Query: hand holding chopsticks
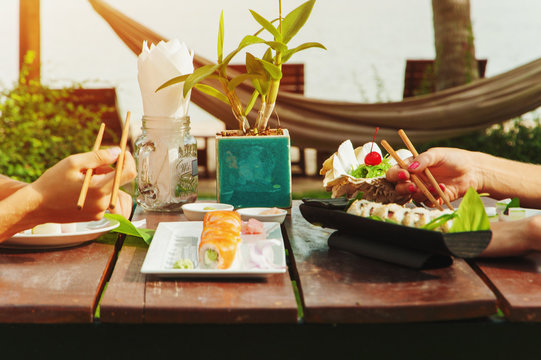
427,172
414,177
118,170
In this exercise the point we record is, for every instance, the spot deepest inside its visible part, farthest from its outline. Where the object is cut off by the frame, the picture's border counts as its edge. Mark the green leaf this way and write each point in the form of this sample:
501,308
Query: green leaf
199,75
221,33
274,71
173,81
250,40
251,104
277,45
229,57
295,20
267,56
237,80
253,66
267,25
287,54
209,90
126,227
471,214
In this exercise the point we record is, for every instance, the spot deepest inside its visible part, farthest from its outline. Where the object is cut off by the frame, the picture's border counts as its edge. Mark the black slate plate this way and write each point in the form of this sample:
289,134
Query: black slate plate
331,214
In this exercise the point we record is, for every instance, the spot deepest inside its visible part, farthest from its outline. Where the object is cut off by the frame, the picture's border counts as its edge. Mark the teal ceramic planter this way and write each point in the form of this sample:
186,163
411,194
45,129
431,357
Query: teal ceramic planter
254,171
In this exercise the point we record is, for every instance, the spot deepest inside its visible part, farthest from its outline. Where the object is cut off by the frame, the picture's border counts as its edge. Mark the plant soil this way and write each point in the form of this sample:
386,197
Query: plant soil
251,132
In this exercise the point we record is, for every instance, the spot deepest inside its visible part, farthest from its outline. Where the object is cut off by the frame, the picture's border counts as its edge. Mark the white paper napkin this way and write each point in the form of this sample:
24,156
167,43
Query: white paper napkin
156,65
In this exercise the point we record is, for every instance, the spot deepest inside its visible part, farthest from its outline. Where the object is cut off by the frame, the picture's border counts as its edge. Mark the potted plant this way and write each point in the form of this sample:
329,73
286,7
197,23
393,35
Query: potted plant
253,162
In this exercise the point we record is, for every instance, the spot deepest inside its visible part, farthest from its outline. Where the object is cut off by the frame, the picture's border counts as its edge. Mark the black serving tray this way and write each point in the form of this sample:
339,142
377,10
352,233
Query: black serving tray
387,239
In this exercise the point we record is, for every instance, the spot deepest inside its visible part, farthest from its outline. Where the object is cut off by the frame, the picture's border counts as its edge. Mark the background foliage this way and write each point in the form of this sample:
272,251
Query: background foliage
516,140
39,126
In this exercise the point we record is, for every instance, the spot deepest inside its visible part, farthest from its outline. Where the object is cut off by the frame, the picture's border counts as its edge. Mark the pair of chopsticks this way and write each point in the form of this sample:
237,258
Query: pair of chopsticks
414,177
118,169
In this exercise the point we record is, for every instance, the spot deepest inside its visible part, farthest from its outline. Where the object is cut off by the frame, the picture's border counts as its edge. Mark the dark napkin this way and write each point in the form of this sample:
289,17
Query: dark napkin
403,256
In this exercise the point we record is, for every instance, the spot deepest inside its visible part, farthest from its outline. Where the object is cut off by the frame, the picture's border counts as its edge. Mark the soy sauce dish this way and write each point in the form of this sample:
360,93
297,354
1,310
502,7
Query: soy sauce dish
197,211
263,214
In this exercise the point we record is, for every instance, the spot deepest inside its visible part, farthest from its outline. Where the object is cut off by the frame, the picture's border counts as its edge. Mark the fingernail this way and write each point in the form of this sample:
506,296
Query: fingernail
411,188
442,187
414,165
432,189
114,151
402,175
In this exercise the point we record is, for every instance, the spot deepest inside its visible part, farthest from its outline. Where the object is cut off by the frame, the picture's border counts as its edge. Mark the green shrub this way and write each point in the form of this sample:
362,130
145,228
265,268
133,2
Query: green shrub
512,140
39,126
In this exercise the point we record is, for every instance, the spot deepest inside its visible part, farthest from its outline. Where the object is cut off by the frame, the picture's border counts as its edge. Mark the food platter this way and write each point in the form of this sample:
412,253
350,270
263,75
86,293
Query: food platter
174,239
331,214
85,231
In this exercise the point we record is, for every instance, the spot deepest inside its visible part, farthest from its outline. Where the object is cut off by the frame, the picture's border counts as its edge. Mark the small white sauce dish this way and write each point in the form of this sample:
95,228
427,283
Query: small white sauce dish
196,211
259,213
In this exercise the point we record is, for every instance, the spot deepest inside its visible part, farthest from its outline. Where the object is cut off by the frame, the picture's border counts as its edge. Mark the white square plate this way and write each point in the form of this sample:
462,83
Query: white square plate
169,243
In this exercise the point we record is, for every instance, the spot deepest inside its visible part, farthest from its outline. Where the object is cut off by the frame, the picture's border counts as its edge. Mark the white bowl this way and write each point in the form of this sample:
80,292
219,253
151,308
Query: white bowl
255,213
196,211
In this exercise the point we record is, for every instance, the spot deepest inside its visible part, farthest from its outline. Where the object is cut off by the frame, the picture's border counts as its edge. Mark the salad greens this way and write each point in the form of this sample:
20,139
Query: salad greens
513,203
371,171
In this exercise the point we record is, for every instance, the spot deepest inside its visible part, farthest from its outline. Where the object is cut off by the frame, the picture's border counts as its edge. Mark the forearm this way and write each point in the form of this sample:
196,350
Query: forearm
503,178
511,238
8,186
19,211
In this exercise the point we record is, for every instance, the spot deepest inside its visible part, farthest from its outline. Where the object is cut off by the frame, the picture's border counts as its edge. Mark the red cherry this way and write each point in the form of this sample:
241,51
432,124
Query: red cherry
373,158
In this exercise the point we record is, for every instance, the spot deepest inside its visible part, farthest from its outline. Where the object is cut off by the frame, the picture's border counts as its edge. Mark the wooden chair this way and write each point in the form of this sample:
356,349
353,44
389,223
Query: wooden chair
419,76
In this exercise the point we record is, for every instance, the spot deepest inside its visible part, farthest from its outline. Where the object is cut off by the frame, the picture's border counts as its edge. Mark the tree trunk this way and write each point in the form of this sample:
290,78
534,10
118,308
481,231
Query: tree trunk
455,50
30,37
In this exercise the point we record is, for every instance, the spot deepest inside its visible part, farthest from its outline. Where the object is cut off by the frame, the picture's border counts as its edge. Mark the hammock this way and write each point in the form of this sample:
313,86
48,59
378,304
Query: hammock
325,124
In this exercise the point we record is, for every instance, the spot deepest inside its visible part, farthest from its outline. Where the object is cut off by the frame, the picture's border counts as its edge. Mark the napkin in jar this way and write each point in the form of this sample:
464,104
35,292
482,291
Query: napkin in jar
157,64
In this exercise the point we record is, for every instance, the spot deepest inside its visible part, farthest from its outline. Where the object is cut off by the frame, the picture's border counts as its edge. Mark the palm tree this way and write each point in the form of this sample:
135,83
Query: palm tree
455,50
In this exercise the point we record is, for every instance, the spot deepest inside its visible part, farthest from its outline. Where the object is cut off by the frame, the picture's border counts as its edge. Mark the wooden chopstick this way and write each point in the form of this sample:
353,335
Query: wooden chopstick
89,172
120,162
414,177
427,172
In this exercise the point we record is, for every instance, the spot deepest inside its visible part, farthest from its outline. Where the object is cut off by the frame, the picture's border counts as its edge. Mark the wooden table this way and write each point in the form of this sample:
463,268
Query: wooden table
131,297
341,296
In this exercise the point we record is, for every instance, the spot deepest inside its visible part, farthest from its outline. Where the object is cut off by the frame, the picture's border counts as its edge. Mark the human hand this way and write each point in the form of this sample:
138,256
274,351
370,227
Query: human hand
454,170
57,190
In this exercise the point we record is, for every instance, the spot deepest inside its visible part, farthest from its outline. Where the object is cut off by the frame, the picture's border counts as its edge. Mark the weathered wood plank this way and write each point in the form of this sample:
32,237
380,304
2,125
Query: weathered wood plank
270,300
124,299
341,287
517,282
56,286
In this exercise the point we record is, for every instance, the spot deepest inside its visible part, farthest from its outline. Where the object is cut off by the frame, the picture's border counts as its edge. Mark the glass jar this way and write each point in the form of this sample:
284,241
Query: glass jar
166,158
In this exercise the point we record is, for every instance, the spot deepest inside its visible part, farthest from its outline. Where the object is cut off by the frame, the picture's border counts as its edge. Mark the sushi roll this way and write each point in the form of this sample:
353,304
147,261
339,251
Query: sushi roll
396,213
422,216
362,208
219,239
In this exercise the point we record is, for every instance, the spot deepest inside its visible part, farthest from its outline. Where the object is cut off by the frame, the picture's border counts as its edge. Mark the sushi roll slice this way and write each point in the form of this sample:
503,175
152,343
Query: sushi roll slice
219,239
396,213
